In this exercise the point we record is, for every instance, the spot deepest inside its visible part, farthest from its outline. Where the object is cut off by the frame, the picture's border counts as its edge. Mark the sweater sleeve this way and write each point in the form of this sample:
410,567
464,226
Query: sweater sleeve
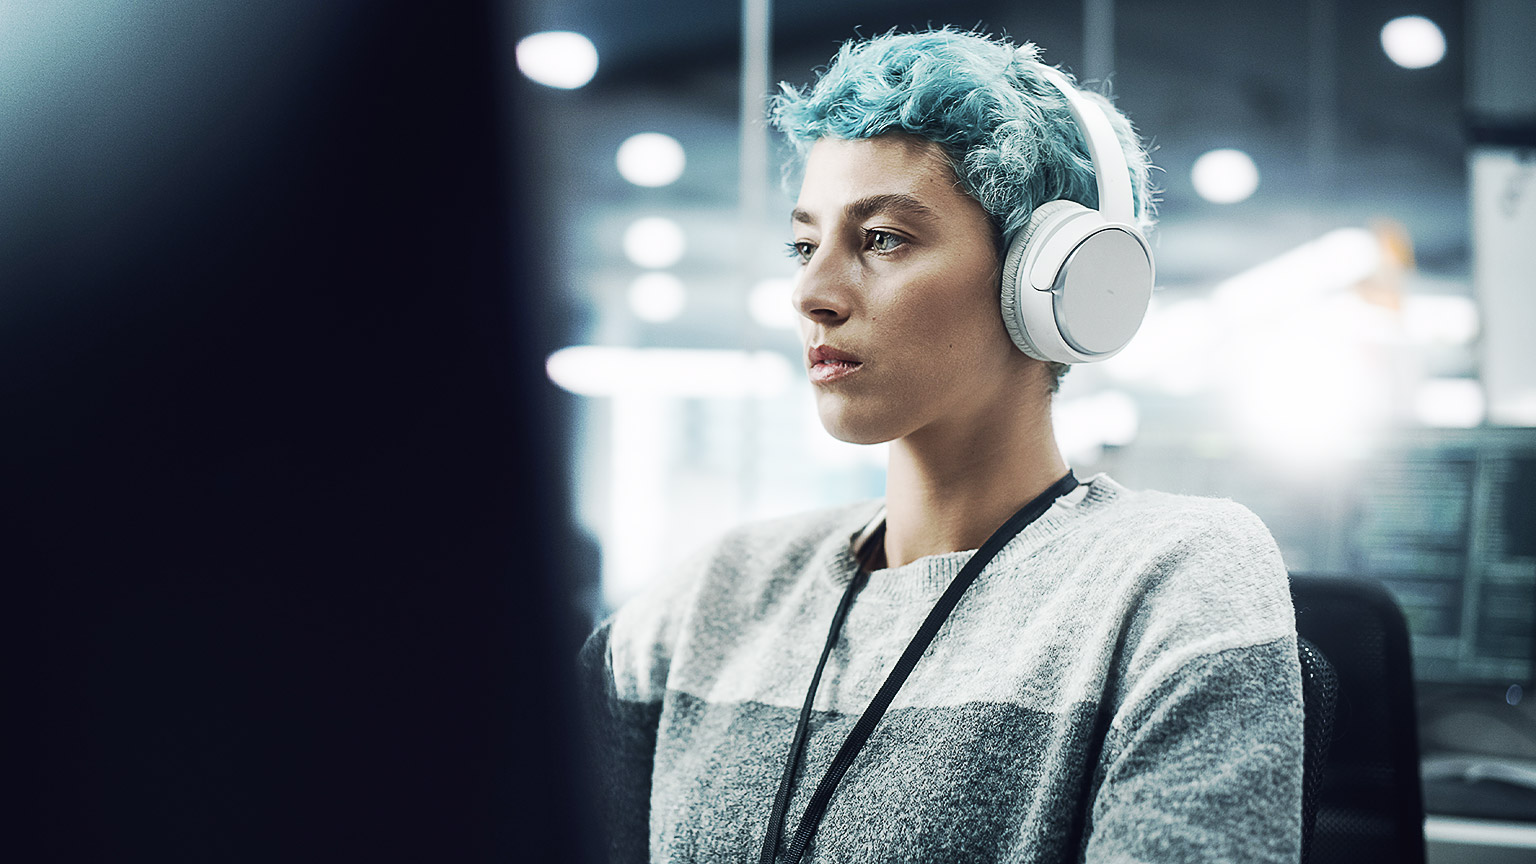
1202,758
624,669
621,735
1207,768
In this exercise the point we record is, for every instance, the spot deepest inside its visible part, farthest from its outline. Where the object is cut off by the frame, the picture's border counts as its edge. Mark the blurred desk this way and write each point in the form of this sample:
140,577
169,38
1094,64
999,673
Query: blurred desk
1455,840
1482,787
1481,809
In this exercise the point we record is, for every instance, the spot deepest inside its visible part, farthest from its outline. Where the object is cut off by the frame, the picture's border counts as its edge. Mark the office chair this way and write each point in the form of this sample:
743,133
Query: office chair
1368,804
1319,692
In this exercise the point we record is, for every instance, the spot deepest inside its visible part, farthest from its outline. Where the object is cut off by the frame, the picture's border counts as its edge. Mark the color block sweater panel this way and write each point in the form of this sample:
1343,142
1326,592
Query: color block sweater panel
1119,684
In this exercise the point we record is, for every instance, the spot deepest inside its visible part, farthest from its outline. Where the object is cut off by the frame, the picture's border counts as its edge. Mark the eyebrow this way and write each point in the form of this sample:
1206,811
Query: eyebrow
898,203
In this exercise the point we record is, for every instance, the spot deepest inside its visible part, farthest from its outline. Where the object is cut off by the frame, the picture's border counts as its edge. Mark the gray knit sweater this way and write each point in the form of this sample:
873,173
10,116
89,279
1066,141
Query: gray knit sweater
1119,684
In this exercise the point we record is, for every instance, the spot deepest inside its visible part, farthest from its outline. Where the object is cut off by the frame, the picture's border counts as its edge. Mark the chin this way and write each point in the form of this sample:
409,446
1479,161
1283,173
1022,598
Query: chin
846,426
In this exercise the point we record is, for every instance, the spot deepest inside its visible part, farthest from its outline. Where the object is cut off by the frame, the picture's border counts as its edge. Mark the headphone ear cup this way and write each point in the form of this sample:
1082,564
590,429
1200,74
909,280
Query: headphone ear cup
1016,313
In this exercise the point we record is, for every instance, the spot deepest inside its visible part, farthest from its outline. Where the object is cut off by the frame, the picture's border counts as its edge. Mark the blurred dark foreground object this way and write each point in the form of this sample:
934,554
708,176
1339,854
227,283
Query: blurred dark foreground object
1369,804
278,482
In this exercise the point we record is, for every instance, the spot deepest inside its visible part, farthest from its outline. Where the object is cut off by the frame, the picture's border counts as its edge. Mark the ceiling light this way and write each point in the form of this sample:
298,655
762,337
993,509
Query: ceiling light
597,370
654,242
1225,176
657,297
557,58
1413,41
651,159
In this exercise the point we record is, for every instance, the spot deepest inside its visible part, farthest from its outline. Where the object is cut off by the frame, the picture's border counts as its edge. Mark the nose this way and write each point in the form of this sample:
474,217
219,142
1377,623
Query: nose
823,292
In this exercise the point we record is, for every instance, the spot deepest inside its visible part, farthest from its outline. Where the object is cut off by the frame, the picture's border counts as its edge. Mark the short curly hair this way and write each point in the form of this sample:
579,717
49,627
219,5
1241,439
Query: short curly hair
1005,129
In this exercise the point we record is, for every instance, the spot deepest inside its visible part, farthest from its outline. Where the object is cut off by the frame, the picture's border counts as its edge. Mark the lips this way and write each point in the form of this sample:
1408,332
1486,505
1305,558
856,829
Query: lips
828,364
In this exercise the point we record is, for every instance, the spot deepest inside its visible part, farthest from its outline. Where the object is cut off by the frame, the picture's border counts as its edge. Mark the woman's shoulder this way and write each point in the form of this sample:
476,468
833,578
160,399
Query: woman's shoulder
1208,573
1188,577
1179,527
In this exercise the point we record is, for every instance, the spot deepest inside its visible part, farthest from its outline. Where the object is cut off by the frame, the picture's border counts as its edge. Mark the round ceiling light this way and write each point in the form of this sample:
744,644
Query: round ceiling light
657,297
557,58
1225,176
654,242
1413,41
651,159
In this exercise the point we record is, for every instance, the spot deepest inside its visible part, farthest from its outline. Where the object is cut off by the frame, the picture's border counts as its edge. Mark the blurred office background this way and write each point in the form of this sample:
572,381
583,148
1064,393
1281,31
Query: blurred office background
1339,337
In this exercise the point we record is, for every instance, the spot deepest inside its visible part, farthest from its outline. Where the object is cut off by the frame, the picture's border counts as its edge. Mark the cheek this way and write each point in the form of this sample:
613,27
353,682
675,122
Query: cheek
962,316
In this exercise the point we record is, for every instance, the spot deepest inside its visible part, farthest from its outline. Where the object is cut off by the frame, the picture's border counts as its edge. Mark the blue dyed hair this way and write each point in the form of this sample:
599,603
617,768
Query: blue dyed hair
1005,129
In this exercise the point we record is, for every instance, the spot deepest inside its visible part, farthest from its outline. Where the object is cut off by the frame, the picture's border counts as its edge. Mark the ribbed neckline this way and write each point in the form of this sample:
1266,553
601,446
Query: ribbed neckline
926,578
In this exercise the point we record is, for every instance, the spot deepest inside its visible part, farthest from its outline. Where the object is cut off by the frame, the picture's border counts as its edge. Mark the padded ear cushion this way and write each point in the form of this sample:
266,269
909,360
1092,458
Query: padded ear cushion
1014,280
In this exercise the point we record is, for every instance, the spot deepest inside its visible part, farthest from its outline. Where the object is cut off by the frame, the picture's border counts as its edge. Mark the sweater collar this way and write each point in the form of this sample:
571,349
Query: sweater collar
926,578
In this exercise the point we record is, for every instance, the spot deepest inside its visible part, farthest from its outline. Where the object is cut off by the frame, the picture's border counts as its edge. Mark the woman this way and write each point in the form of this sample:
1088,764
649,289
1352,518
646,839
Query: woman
1114,678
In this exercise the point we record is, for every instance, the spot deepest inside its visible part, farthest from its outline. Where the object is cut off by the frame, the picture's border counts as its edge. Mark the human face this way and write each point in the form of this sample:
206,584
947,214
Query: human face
897,292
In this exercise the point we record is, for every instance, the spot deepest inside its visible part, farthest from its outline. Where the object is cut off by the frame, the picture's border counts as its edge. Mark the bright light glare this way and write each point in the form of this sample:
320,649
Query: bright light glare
654,242
1450,402
1440,319
771,305
1225,176
557,58
1310,381
595,370
1329,264
657,297
1413,41
1174,348
651,159
1301,415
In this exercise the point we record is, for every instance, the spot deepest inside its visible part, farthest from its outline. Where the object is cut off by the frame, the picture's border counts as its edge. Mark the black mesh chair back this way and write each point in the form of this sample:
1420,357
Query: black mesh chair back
1369,806
1319,692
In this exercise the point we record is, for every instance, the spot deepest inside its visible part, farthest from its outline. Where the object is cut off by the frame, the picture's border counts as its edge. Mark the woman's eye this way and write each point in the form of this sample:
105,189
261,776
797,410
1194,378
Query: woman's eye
882,241
801,250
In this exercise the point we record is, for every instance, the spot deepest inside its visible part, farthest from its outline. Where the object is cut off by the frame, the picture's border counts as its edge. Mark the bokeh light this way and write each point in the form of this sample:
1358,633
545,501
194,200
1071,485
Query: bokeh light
657,297
654,242
1225,176
606,370
557,58
651,159
1413,41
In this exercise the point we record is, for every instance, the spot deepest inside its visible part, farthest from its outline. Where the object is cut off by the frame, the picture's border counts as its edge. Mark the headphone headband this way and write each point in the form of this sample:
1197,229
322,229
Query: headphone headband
1110,171
1076,281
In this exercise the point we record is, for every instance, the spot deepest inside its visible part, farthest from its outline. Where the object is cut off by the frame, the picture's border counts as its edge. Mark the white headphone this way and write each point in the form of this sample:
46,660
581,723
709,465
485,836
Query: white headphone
1076,282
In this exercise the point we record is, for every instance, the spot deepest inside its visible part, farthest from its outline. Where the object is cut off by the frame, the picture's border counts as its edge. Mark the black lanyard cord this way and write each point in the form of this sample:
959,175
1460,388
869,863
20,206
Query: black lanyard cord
781,799
898,676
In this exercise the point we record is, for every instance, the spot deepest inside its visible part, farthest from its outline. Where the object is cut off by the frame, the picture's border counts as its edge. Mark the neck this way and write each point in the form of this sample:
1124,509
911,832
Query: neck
949,488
